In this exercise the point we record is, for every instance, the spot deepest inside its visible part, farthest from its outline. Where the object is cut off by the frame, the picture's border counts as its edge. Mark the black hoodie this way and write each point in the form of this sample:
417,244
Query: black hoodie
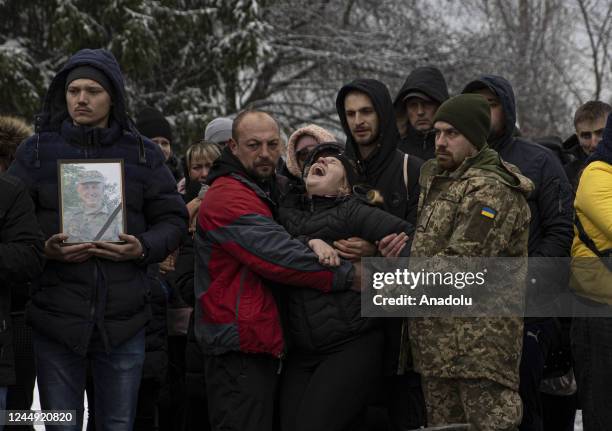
572,147
383,169
551,230
429,81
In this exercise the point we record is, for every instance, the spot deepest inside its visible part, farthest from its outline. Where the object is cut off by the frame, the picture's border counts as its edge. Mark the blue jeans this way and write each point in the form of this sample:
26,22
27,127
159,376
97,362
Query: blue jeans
116,375
592,350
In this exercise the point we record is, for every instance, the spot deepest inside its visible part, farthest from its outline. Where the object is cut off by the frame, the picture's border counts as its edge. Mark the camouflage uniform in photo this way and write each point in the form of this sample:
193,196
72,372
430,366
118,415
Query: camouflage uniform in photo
470,365
83,224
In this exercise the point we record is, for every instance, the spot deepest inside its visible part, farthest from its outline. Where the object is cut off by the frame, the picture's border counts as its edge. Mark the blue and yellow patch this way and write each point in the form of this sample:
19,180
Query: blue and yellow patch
488,212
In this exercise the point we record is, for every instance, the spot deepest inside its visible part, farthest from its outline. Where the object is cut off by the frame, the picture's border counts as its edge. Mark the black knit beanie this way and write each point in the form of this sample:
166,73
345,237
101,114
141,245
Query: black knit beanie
470,114
89,72
151,123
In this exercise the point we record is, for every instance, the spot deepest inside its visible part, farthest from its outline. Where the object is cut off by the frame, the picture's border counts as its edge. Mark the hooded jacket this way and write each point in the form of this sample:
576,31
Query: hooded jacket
318,133
70,299
550,230
572,147
383,169
451,224
242,255
429,81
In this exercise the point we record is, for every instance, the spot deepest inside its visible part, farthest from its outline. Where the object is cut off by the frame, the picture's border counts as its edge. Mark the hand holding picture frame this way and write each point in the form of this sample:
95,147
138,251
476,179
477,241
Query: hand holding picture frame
92,200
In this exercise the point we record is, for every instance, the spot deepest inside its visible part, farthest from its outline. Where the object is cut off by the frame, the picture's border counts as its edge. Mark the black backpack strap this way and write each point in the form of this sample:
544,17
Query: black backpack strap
586,239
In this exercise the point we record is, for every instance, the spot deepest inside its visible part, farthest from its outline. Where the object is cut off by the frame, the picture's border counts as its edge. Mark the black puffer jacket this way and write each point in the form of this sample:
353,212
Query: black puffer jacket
320,321
383,169
430,81
21,259
70,299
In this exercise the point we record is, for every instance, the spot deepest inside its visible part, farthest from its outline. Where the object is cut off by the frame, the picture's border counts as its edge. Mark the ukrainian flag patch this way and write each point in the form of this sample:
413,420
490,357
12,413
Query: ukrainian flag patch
488,212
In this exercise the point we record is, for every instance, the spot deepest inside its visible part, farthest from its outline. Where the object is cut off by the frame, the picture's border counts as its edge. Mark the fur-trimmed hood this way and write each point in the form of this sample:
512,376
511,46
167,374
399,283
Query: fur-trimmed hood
318,133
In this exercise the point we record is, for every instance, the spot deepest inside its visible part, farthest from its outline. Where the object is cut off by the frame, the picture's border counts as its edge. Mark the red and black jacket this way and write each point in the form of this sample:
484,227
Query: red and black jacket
240,252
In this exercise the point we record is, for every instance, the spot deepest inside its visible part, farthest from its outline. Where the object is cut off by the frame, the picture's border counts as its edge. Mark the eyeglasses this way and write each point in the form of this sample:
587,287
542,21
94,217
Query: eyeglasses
302,155
587,135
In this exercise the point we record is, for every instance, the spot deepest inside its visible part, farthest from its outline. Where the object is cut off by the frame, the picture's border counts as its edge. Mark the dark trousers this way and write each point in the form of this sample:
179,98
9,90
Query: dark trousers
172,393
196,406
405,401
241,390
20,395
146,411
330,391
536,343
592,350
559,412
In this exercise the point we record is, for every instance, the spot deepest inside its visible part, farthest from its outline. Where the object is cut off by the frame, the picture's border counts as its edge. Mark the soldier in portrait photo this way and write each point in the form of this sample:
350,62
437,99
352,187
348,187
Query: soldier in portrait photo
93,219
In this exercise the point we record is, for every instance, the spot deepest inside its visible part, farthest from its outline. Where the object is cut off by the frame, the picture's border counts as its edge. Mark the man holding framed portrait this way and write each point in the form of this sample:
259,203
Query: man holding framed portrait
109,210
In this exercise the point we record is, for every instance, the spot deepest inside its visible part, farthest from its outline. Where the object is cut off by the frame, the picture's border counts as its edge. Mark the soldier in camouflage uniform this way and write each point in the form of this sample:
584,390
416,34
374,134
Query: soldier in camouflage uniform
83,224
470,365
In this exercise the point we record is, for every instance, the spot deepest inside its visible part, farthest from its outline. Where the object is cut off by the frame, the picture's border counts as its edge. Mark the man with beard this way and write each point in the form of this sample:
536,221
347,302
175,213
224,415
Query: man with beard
415,106
366,114
473,205
242,256
550,230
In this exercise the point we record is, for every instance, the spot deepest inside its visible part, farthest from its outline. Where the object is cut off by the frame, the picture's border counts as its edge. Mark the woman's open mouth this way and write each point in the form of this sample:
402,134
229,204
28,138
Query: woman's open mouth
318,170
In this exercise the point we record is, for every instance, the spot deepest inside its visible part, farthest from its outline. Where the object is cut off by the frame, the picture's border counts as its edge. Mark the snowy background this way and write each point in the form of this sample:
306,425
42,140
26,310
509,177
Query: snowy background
198,59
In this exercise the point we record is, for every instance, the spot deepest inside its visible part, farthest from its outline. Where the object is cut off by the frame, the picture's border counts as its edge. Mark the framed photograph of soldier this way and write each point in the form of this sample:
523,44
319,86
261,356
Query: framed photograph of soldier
92,200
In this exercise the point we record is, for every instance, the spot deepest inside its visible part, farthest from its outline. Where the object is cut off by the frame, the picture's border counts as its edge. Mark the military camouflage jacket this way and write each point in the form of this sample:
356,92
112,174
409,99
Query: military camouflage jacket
451,223
81,225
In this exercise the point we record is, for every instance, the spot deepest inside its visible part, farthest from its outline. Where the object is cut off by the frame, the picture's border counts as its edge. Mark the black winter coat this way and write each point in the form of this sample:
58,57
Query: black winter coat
156,342
574,168
70,299
320,321
551,228
430,81
21,259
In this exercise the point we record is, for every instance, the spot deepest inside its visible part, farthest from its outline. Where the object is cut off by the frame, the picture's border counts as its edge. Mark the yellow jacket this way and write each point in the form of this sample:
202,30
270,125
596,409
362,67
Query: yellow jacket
593,203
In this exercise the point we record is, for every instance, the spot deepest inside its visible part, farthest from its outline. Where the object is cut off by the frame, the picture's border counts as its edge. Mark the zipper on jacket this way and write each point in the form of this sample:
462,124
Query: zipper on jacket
92,306
240,290
280,363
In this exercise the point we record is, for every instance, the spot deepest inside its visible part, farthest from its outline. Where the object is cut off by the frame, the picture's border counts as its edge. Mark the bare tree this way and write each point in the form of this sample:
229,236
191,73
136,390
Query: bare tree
527,43
597,19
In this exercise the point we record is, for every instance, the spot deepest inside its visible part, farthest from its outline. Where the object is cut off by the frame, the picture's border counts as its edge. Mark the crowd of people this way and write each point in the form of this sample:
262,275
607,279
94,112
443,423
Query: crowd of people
230,299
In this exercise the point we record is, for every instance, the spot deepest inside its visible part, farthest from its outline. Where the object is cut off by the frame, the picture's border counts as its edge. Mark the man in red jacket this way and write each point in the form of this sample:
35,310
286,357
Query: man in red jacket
242,257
